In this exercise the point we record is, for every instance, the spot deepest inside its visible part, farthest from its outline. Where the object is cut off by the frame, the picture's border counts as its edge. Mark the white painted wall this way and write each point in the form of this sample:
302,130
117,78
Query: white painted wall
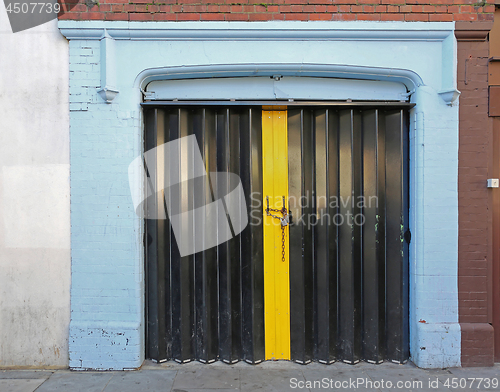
34,196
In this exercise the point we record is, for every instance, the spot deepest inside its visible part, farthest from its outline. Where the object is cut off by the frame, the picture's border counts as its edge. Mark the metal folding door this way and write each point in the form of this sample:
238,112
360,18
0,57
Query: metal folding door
348,278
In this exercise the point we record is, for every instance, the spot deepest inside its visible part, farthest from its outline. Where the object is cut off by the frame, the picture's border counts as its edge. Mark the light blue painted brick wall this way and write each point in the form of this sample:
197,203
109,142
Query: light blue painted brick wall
106,292
107,296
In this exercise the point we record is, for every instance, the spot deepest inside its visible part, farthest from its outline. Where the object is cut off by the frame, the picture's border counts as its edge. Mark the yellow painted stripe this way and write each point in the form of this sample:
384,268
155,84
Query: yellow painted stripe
276,272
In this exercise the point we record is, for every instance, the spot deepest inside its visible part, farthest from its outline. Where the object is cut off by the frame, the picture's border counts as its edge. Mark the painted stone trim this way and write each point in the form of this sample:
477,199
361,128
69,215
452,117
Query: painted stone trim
107,254
263,31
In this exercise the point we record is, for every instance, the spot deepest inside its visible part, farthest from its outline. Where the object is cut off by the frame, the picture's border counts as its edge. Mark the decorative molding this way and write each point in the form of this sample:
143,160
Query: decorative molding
244,31
110,31
472,31
108,90
449,96
108,94
409,78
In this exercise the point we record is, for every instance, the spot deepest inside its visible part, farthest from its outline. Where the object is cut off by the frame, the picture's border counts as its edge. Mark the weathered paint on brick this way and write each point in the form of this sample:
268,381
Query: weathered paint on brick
259,10
108,288
106,299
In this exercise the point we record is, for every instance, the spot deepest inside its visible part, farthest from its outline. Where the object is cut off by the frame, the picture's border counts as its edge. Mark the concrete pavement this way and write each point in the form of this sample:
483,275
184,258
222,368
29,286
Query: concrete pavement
267,376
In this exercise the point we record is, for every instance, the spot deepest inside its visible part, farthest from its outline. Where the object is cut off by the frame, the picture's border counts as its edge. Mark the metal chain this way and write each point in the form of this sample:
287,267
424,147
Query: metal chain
282,243
283,221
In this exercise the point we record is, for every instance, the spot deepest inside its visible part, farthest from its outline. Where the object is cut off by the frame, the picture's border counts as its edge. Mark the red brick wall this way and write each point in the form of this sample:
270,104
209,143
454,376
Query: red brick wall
474,209
477,344
475,139
262,10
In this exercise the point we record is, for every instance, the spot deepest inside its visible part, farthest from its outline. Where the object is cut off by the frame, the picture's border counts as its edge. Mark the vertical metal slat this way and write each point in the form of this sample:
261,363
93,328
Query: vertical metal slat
301,171
333,233
152,294
233,146
322,281
252,282
182,267
205,261
228,252
373,281
396,221
349,268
